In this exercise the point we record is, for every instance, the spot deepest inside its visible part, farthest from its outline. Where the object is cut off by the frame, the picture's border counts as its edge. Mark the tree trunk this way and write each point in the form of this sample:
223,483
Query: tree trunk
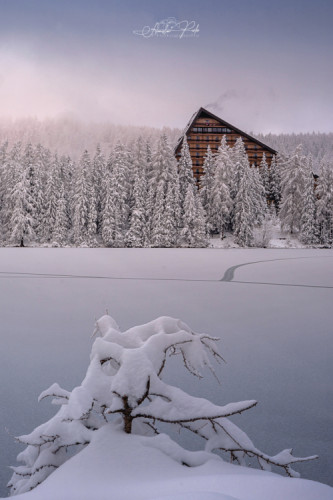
127,416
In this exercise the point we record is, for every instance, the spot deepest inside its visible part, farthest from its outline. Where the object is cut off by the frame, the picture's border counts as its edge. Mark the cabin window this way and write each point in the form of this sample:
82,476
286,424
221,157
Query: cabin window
217,138
195,129
197,163
197,154
197,146
199,129
198,138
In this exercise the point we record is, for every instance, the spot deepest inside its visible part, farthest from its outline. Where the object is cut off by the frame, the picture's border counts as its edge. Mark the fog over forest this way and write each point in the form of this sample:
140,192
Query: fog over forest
70,136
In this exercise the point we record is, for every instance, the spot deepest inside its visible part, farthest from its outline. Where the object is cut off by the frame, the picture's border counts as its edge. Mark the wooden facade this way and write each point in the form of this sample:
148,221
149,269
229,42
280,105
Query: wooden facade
205,129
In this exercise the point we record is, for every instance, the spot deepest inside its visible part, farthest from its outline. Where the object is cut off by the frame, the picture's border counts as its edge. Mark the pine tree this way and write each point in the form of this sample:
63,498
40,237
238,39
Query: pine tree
206,186
164,197
98,173
292,185
264,172
136,234
244,215
67,167
185,171
21,221
3,186
193,231
308,219
43,164
241,165
201,234
50,201
119,193
240,162
81,201
275,184
107,211
324,205
221,203
12,175
61,223
258,195
92,210
3,168
207,180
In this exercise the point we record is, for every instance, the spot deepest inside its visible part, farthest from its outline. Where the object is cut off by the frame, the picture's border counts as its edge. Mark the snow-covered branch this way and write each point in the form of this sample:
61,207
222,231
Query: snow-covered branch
124,381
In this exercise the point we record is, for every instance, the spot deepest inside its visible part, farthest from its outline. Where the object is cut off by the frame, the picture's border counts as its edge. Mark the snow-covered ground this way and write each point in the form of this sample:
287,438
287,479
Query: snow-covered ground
121,467
274,316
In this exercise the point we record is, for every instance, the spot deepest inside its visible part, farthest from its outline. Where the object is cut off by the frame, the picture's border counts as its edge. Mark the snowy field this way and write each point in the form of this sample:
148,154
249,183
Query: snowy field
273,313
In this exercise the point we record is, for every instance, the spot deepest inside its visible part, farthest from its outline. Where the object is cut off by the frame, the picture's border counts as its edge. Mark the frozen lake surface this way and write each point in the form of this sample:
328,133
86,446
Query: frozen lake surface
273,310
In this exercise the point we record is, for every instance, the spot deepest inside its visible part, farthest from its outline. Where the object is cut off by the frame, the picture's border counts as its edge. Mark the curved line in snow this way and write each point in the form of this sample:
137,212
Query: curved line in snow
230,272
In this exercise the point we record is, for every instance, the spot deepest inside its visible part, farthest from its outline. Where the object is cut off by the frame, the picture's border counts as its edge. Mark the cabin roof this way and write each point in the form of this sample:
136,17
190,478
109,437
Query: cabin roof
202,112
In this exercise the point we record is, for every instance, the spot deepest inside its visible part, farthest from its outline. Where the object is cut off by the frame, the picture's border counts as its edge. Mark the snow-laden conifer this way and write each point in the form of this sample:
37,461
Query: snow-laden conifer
3,168
164,197
98,173
136,235
308,218
292,186
258,195
193,232
107,211
3,187
81,200
240,162
50,201
21,222
92,211
221,203
60,233
119,194
185,170
244,211
275,184
324,204
12,172
265,177
42,166
206,184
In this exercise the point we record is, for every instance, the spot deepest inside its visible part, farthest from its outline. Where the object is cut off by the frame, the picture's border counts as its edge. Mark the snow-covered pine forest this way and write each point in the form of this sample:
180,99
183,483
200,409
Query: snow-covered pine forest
138,196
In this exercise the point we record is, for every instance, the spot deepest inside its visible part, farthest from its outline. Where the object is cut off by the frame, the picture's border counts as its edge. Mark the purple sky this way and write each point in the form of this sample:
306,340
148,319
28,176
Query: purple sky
262,65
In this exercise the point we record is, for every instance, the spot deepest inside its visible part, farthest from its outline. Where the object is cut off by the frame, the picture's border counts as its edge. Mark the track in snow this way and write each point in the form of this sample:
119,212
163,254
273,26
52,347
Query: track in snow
228,276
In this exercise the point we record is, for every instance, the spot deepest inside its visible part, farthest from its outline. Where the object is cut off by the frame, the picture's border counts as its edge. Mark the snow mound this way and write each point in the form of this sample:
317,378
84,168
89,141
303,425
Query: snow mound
119,466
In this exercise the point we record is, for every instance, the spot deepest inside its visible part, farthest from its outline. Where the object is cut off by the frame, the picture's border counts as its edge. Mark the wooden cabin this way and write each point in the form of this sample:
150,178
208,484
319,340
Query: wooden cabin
205,129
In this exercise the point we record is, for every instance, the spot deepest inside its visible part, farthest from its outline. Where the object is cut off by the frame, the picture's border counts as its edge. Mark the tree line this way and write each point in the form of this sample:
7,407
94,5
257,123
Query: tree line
140,196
